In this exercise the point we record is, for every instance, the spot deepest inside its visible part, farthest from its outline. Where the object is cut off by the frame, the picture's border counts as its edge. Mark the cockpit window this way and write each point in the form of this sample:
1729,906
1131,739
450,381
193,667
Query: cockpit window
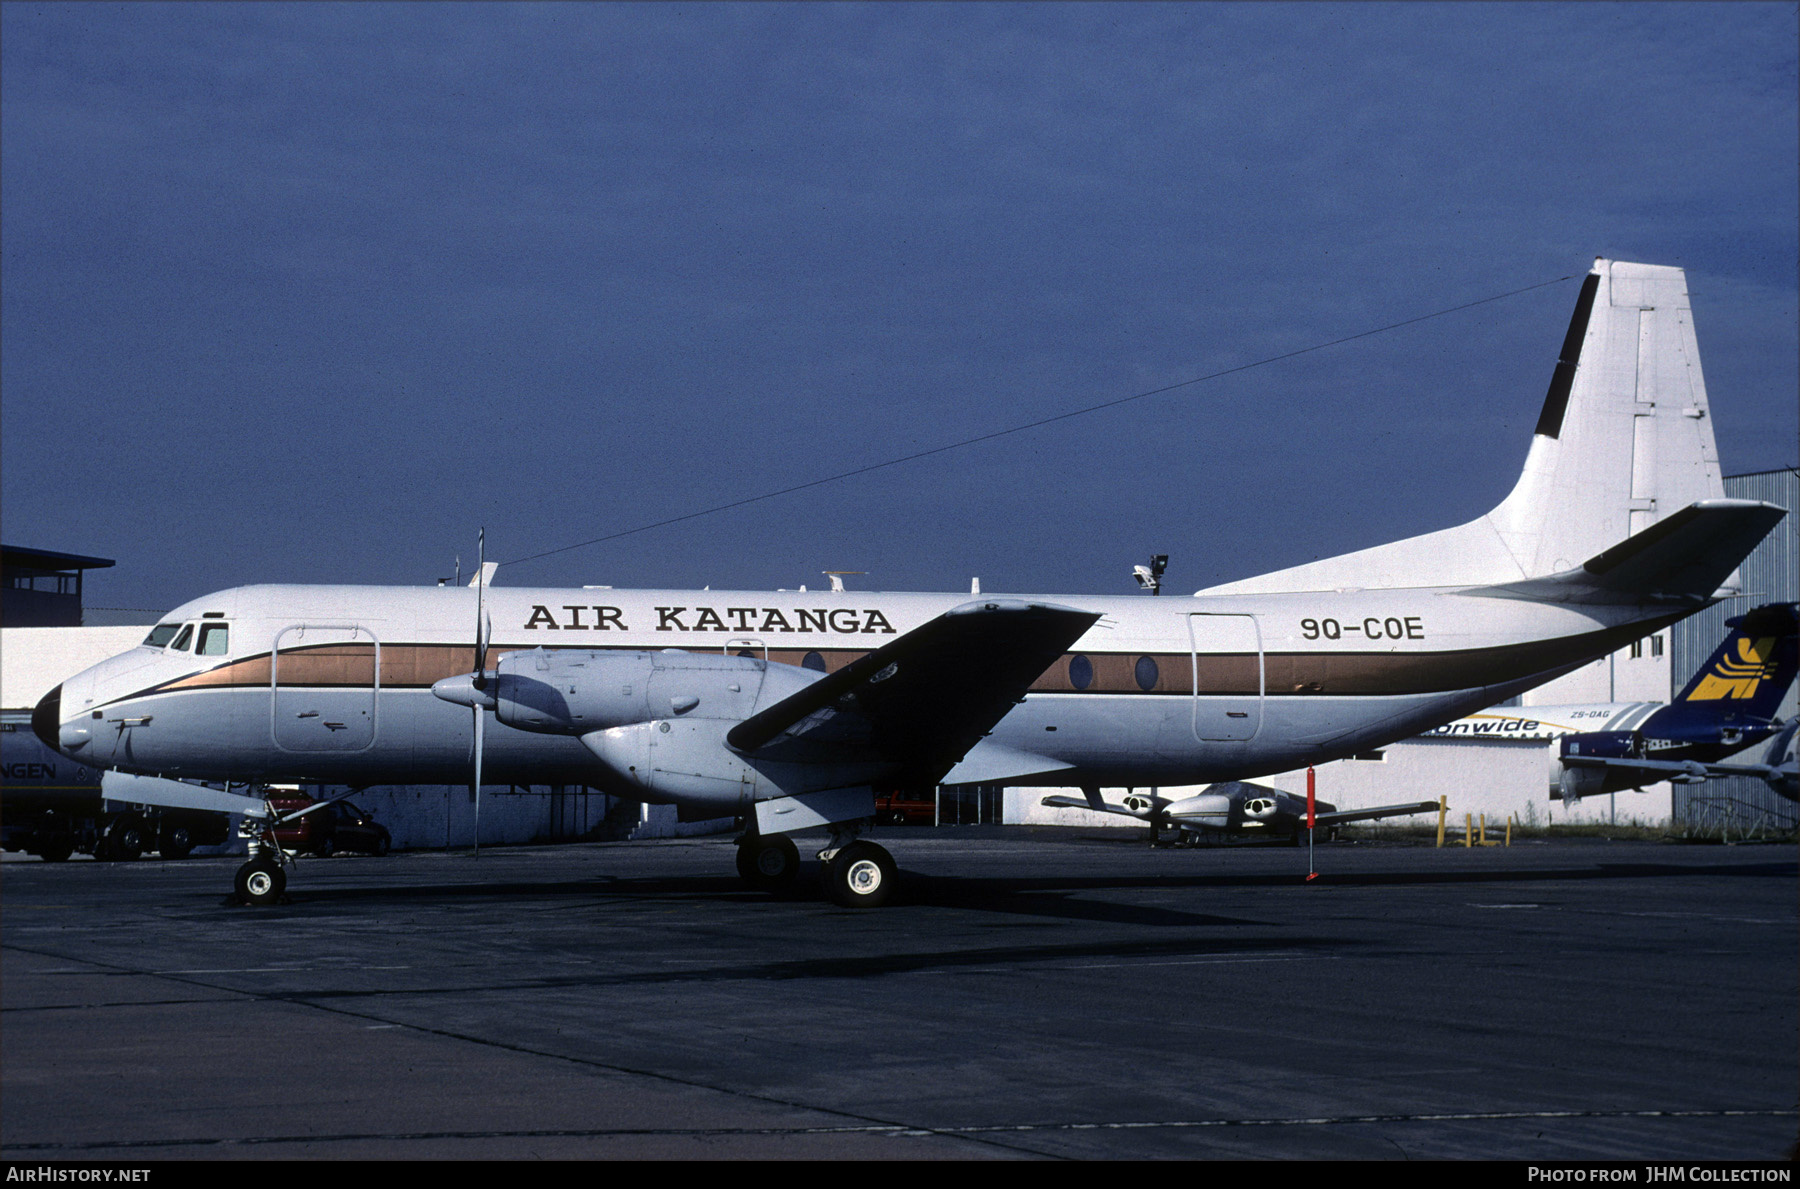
161,634
181,641
215,639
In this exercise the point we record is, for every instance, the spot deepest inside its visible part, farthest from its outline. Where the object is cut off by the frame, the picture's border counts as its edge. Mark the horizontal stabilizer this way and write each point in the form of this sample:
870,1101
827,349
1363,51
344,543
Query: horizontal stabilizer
1681,558
924,700
1651,771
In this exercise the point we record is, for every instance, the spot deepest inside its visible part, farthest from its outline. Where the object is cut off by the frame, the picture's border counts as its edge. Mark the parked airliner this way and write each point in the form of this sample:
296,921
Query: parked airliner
787,710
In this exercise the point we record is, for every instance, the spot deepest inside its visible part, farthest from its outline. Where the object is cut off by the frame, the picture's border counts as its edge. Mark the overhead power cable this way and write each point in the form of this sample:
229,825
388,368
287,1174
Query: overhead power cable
1038,424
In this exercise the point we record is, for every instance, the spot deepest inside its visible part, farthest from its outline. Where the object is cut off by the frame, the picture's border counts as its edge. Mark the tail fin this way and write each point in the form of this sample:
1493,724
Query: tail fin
1624,439
1754,666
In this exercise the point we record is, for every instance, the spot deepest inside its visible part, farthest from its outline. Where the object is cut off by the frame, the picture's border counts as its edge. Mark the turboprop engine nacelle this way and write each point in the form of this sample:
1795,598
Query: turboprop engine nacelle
570,692
657,720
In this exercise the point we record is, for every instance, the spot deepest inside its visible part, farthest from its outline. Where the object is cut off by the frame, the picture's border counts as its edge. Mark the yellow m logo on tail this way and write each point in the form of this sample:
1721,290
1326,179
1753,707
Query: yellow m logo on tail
1737,677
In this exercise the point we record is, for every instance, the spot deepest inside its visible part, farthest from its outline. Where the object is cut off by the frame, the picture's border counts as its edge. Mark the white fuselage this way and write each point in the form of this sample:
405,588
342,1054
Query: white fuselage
333,683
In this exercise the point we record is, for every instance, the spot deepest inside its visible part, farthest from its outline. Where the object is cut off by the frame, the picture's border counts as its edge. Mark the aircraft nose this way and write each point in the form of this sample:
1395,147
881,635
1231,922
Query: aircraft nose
46,719
65,738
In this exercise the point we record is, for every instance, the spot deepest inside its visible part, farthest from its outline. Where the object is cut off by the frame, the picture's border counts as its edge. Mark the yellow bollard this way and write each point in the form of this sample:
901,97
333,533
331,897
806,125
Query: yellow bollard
1484,840
1441,808
1468,829
1509,826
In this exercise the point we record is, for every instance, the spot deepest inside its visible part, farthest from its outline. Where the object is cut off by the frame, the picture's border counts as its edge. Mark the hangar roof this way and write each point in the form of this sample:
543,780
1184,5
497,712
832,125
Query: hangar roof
49,559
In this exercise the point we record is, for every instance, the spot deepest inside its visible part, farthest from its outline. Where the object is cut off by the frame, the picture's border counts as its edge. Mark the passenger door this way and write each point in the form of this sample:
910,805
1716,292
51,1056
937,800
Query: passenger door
1228,671
324,679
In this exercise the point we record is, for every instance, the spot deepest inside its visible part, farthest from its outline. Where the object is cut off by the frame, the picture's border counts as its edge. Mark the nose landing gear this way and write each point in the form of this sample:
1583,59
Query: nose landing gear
261,881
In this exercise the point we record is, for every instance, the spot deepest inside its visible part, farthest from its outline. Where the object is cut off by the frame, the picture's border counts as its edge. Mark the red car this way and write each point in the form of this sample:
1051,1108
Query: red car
340,826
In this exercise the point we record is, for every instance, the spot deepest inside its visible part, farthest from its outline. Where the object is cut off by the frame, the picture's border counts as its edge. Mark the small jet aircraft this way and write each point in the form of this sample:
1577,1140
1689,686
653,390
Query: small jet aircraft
1233,809
1728,706
788,710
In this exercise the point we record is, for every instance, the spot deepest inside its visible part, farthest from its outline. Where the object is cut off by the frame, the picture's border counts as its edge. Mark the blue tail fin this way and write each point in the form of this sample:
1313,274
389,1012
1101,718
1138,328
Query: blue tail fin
1751,670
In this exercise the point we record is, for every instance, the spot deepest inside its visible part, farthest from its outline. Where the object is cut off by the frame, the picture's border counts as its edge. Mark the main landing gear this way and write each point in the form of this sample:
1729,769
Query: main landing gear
861,875
768,862
858,873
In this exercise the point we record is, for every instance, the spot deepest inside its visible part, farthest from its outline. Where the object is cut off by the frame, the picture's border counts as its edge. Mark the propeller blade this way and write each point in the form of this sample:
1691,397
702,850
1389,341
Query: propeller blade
480,730
480,678
481,635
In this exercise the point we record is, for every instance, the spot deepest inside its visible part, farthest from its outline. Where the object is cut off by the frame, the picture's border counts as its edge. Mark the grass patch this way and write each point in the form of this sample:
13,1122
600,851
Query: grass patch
1496,832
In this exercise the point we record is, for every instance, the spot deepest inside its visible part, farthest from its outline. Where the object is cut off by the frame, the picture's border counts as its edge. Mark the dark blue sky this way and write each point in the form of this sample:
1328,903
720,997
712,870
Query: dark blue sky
309,292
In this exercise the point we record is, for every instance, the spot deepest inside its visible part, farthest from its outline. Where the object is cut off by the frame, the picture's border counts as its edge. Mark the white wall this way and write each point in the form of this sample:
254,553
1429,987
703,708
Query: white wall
1500,778
33,661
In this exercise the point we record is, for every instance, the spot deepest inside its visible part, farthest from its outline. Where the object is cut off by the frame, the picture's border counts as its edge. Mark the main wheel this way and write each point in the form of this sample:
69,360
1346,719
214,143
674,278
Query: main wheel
862,875
260,881
768,863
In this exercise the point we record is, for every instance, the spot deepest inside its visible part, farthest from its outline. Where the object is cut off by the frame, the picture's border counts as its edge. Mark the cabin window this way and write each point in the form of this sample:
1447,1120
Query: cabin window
1146,673
1081,671
161,634
813,661
182,641
215,639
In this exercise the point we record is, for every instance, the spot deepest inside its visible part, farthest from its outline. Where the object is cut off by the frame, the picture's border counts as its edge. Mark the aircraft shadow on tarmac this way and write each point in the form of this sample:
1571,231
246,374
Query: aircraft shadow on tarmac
1055,897
878,965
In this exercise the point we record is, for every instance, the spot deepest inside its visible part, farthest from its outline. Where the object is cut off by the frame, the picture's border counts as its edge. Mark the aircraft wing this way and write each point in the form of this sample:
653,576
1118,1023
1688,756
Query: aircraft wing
1343,817
924,700
1058,801
1679,771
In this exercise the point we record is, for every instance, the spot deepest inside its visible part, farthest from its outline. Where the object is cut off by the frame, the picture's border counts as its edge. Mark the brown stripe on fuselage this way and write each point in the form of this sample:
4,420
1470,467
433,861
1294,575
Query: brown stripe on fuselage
1287,674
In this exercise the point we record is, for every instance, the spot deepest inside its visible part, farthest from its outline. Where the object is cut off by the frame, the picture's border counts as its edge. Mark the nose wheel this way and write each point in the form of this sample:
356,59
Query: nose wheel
260,882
